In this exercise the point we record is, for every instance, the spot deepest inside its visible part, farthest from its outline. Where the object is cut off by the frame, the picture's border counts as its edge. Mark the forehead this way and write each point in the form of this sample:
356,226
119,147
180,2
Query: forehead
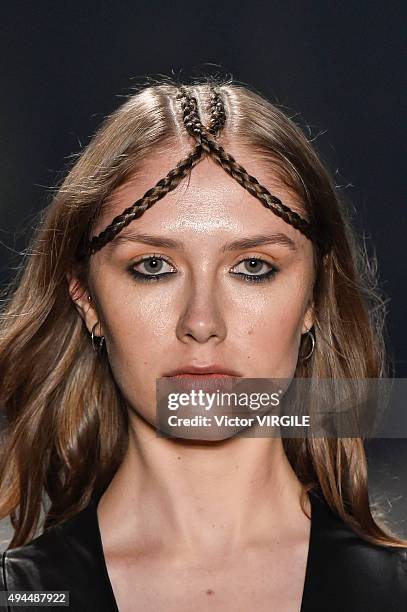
206,203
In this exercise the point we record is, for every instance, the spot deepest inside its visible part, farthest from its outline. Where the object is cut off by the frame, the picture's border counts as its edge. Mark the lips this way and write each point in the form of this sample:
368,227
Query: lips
207,382
209,378
203,370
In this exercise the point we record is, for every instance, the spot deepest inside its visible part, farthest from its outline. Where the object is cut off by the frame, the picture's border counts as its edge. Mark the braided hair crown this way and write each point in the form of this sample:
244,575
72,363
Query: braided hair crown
205,144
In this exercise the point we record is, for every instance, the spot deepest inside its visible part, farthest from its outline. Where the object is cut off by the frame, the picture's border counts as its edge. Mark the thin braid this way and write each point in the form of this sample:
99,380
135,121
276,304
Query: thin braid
173,178
192,120
164,186
218,114
203,136
252,185
206,143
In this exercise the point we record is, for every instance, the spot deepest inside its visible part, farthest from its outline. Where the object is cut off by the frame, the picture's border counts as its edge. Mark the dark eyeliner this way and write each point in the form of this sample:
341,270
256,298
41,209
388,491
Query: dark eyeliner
147,278
260,278
257,278
251,278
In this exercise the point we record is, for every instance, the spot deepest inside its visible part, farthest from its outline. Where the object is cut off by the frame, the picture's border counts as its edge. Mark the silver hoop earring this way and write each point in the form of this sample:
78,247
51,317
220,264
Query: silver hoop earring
312,347
97,341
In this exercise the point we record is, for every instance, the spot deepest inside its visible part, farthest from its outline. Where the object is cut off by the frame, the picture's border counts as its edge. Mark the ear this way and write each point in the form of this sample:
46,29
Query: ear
309,318
83,302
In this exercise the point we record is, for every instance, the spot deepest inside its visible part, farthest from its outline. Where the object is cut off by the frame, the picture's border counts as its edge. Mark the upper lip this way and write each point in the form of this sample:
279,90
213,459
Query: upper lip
208,369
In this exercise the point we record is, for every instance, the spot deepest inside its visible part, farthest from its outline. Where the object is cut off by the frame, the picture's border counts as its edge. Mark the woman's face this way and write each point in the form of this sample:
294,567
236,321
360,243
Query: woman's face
205,296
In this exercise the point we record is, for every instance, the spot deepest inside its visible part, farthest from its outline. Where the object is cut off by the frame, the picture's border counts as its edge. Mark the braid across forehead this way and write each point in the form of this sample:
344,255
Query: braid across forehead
206,144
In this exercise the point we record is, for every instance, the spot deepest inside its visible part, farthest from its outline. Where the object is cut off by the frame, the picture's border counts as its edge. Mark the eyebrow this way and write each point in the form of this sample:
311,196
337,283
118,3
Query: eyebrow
250,242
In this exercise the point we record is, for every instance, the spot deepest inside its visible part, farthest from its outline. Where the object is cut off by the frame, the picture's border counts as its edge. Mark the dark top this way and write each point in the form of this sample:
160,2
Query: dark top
344,572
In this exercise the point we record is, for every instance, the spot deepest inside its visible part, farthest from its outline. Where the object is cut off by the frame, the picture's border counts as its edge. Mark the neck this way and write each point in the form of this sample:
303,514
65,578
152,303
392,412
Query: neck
200,497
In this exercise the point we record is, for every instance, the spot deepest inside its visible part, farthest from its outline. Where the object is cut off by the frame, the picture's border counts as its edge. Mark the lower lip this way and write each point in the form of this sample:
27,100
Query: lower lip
206,382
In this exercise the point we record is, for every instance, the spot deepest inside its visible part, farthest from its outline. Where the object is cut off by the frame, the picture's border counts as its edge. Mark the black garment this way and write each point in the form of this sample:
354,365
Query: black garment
344,572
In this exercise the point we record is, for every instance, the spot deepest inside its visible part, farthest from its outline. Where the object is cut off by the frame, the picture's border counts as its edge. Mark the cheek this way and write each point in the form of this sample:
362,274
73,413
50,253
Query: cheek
135,330
136,325
273,336
271,331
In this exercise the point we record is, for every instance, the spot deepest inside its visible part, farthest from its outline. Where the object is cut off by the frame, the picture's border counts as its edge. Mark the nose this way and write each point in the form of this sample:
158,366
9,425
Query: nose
202,316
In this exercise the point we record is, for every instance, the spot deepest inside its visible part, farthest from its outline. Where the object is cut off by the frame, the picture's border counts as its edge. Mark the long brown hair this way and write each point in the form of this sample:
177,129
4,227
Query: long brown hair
67,422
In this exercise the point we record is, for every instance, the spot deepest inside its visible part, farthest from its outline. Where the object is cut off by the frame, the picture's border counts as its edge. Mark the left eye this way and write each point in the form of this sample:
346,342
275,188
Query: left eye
253,265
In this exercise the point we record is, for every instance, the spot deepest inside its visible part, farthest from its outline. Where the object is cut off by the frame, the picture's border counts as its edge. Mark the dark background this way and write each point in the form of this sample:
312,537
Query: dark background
338,68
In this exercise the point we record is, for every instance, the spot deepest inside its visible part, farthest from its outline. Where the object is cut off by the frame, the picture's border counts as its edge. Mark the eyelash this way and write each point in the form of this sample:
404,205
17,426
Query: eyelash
251,278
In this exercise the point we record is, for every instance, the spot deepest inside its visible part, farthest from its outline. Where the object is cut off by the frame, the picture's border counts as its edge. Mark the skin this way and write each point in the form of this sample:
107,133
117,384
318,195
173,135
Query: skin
189,523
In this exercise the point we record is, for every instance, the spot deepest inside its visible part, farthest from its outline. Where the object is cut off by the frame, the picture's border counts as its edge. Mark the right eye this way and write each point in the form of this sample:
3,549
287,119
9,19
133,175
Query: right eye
152,264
